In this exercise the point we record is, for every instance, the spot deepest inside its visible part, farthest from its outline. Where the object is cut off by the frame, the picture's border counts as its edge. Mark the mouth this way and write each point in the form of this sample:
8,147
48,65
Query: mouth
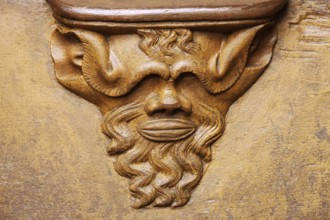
166,129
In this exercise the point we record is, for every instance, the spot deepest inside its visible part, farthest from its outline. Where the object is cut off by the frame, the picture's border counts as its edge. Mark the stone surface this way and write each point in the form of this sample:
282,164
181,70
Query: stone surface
271,163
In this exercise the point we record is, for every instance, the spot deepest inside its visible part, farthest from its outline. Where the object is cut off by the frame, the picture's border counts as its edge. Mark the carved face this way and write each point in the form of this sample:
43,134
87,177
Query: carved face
164,95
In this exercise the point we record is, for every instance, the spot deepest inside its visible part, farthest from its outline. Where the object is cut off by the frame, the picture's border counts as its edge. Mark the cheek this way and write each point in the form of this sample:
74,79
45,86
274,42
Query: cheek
138,94
190,86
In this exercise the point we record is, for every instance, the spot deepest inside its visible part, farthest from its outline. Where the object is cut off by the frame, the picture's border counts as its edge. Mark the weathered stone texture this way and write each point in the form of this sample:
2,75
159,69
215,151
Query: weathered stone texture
271,163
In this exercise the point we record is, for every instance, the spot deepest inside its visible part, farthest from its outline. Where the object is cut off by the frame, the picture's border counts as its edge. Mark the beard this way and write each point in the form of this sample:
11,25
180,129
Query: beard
161,173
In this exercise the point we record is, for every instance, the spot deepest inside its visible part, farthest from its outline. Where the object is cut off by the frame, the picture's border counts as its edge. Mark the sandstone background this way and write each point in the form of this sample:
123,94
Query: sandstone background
273,161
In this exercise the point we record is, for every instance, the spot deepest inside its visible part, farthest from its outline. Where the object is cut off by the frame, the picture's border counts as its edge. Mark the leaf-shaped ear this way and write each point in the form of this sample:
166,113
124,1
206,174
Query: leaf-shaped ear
259,55
229,64
234,51
261,48
84,64
67,51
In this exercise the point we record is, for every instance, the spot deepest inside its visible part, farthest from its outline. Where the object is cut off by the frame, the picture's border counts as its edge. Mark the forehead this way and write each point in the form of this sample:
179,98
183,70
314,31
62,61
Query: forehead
125,50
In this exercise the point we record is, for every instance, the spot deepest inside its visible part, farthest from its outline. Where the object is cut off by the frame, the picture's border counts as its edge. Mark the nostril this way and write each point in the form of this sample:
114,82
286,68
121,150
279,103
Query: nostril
168,111
152,103
159,112
178,111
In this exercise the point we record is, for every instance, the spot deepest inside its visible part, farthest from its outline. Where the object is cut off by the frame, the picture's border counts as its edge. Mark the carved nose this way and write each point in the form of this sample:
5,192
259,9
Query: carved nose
167,101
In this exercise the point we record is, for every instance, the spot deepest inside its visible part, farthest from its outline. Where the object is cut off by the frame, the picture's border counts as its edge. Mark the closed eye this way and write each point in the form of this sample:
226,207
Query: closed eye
187,75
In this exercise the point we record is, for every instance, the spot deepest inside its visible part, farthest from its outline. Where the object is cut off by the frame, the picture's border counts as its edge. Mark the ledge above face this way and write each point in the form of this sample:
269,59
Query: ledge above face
165,11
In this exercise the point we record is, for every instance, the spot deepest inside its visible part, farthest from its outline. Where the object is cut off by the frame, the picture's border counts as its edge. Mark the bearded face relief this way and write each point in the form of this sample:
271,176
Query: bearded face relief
164,94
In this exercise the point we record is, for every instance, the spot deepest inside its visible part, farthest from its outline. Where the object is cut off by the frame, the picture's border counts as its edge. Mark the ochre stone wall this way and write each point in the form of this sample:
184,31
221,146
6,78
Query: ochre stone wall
271,163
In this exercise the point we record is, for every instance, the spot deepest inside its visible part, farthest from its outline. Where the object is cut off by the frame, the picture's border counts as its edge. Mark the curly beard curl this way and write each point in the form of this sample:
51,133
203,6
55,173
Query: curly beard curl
161,173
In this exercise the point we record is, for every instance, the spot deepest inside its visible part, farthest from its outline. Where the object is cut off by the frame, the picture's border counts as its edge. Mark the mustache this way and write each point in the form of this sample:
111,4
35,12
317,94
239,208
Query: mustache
115,125
162,173
211,128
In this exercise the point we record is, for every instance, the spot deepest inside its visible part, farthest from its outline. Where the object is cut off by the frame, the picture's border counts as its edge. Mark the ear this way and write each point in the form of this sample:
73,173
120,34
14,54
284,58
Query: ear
240,50
84,65
68,51
261,49
235,50
259,55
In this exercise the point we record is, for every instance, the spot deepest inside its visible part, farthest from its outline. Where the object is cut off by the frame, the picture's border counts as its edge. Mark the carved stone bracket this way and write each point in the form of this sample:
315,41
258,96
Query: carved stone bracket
164,78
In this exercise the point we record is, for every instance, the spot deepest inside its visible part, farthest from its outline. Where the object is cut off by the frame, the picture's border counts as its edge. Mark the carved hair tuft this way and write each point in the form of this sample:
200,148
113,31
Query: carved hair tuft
167,42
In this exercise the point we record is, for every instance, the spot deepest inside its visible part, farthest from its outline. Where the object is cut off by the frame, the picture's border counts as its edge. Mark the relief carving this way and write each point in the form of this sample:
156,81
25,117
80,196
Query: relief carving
164,94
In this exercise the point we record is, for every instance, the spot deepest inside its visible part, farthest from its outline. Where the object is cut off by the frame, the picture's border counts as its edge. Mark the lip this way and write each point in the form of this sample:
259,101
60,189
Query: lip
165,129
